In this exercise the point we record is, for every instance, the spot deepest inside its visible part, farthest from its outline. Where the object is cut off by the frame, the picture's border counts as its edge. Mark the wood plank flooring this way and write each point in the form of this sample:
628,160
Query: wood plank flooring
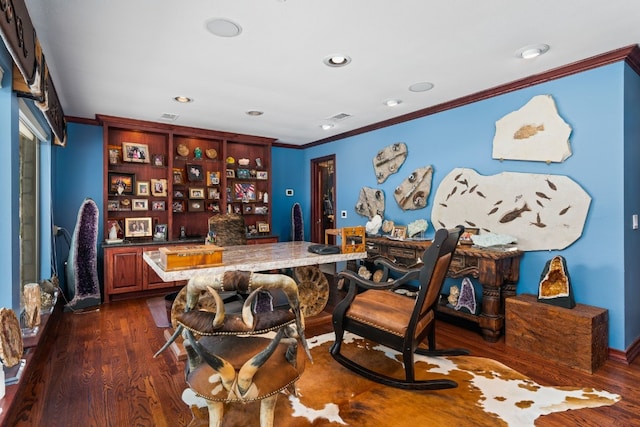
101,372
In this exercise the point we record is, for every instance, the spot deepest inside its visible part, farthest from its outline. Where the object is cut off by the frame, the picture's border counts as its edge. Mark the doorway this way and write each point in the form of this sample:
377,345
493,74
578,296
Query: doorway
323,197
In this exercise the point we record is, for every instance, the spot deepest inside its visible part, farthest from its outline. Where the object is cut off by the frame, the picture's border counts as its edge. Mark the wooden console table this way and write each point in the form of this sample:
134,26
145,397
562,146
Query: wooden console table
497,271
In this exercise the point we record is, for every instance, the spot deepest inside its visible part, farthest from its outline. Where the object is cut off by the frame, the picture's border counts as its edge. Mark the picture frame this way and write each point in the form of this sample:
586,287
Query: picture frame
119,228
196,193
159,187
178,176
113,205
213,178
178,206
135,153
261,210
139,204
138,227
263,227
196,206
231,173
121,183
248,209
160,232
243,174
244,191
158,205
157,160
142,188
213,207
195,173
262,175
213,194
178,194
399,232
115,154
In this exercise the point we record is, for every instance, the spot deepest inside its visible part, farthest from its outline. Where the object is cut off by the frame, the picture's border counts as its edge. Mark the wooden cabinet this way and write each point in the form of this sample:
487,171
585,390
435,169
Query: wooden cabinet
166,180
258,240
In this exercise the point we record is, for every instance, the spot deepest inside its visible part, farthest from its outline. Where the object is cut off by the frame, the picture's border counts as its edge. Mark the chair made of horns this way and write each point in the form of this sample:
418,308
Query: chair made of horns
373,311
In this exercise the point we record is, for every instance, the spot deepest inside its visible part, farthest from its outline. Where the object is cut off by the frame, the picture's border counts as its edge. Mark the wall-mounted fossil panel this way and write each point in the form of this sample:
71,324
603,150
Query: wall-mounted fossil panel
543,212
370,202
413,192
389,160
535,132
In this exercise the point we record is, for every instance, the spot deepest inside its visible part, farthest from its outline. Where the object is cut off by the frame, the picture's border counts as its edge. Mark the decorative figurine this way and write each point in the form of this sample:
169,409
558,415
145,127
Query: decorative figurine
197,153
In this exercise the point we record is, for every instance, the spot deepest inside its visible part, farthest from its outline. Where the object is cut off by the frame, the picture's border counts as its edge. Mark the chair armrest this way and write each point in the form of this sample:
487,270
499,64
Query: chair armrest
363,283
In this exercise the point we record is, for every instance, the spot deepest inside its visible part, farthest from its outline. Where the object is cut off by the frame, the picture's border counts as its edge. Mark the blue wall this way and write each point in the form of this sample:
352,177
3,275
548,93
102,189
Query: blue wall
593,103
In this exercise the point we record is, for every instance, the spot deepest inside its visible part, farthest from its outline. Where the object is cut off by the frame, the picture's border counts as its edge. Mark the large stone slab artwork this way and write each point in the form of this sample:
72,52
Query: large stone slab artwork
543,212
412,193
389,160
536,132
370,202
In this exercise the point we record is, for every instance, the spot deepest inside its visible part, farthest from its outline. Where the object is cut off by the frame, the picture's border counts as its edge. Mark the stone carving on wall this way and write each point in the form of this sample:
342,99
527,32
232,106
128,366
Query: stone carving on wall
535,132
389,160
413,192
543,212
370,202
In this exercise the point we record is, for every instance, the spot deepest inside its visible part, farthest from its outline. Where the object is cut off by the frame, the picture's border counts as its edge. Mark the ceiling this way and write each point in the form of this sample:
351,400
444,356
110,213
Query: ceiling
131,58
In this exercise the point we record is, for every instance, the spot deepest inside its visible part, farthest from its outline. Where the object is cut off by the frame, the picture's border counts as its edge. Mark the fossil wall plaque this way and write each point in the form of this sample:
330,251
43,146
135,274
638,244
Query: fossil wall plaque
370,202
388,160
413,192
543,212
535,132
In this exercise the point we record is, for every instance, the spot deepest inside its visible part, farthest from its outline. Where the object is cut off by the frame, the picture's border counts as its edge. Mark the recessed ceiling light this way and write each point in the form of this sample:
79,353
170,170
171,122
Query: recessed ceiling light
223,27
183,99
532,51
392,102
337,60
421,87
254,113
326,126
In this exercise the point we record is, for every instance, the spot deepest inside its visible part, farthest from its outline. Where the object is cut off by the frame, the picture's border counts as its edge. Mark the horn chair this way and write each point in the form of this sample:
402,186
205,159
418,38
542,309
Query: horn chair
373,311
229,357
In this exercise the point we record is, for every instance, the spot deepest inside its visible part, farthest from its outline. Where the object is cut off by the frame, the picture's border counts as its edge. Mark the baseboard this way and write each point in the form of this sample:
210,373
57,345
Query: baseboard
627,356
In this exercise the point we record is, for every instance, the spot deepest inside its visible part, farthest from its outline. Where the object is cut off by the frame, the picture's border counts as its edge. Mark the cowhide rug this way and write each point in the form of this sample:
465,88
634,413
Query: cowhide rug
488,394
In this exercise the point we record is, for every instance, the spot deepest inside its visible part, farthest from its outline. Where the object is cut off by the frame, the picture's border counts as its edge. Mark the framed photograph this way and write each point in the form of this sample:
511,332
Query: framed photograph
137,227
399,232
195,173
243,174
213,207
158,205
113,205
160,232
196,193
213,194
178,194
196,206
244,191
248,209
159,187
262,175
178,176
178,206
115,154
139,204
261,210
119,229
121,183
157,159
135,153
263,227
231,173
142,188
213,178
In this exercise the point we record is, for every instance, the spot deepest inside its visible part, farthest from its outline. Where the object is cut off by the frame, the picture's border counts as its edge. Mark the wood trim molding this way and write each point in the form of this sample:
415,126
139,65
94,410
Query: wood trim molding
630,54
627,356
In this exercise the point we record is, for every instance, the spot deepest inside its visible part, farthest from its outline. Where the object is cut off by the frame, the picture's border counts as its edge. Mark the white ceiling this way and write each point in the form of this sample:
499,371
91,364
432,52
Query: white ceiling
129,58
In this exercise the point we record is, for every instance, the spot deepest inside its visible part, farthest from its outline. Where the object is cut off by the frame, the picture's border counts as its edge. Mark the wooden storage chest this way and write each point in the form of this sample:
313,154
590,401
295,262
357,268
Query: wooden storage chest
185,257
578,337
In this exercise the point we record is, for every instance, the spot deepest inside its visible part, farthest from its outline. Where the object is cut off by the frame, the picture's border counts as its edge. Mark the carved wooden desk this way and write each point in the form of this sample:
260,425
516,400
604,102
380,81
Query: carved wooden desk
497,271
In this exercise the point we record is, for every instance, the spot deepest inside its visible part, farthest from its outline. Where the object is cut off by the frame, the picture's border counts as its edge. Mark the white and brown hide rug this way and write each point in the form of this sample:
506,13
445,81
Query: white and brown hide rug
488,394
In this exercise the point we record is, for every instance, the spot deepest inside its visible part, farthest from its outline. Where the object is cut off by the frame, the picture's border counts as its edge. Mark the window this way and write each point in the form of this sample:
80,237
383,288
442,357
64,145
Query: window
29,197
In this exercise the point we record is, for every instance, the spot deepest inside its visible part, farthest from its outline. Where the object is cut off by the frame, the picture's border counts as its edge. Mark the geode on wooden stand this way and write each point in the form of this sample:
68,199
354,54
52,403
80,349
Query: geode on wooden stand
555,284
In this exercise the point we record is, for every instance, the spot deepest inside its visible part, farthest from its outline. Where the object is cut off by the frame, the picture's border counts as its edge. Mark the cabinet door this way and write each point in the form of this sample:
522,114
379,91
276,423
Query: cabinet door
122,271
152,280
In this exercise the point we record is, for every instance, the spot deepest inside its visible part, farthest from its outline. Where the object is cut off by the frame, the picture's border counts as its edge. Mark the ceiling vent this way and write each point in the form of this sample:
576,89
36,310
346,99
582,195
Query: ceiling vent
169,117
338,117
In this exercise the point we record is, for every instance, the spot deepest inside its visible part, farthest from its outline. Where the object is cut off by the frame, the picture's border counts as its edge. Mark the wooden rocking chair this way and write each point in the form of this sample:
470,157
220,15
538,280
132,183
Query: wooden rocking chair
373,311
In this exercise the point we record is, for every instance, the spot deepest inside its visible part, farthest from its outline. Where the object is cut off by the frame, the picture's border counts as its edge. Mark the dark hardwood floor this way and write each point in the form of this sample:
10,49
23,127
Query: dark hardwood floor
100,372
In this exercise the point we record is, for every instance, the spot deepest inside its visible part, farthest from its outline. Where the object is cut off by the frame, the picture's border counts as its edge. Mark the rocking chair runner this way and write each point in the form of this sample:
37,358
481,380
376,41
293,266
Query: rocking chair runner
395,320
